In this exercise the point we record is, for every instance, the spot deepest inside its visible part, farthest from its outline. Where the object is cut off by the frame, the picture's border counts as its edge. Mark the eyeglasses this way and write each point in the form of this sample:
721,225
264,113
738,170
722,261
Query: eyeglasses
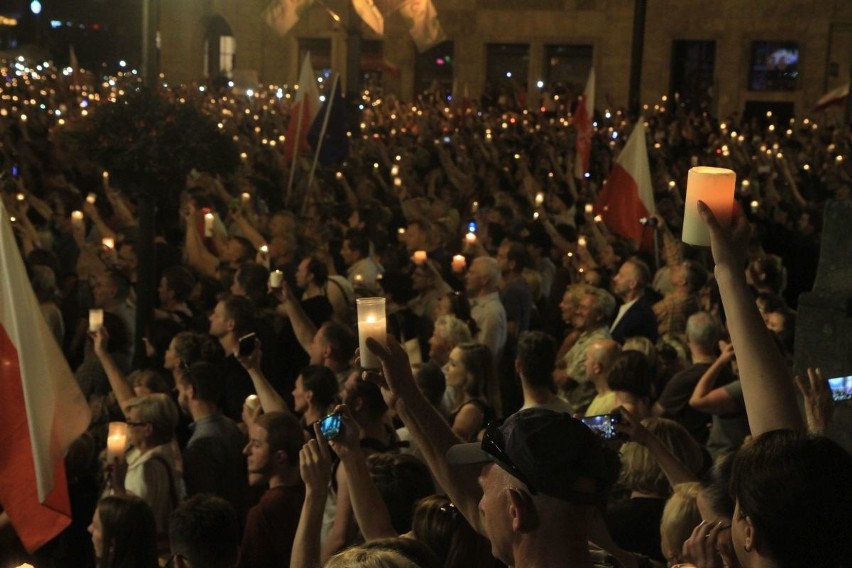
493,444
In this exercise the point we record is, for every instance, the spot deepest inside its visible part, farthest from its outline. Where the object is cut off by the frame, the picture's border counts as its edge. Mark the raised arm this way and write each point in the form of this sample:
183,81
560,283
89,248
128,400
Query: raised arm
270,400
712,400
315,467
428,428
122,389
768,390
304,328
371,513
672,467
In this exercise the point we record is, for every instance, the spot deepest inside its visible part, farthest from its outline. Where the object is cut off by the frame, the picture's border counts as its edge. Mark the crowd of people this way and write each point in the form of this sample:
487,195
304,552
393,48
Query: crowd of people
513,314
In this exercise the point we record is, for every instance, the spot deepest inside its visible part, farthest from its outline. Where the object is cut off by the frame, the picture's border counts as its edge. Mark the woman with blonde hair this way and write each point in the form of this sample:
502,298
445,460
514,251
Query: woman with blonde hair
680,516
150,470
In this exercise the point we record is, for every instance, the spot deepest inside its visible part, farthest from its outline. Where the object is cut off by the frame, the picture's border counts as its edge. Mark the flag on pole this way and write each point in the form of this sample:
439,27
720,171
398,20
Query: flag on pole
835,96
628,195
282,15
303,112
423,25
327,134
42,410
583,125
370,13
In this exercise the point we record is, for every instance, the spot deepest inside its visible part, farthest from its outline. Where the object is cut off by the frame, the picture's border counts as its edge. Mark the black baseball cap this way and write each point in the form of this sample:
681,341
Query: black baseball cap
550,452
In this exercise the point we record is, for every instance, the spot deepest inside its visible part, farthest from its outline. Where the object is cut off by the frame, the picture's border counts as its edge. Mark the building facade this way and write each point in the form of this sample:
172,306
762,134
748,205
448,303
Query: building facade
728,57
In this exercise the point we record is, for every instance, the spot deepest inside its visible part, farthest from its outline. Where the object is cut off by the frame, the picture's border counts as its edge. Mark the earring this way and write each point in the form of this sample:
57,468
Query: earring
747,546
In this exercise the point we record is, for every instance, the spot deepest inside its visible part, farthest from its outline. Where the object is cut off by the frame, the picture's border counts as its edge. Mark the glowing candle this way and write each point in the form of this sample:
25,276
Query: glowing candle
245,197
276,277
96,319
116,441
401,231
252,402
755,206
358,278
108,242
581,241
419,257
77,218
106,178
21,197
394,170
91,198
459,263
539,198
263,255
470,238
715,187
208,224
589,208
372,322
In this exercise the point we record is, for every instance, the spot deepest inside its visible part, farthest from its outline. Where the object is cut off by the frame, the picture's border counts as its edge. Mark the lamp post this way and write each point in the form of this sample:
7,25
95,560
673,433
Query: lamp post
150,49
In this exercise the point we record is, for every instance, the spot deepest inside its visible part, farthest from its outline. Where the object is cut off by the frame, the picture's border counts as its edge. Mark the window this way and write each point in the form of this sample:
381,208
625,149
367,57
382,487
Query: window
320,49
692,70
435,66
506,71
566,67
774,66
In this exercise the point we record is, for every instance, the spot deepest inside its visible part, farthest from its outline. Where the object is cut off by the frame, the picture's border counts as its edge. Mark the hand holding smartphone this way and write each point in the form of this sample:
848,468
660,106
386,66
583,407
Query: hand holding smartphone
331,426
604,425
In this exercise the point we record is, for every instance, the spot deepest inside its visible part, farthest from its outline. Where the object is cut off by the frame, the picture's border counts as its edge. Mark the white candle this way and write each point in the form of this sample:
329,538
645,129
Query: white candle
245,197
91,198
539,198
106,178
419,257
21,197
116,441
589,208
372,322
470,238
276,277
77,218
108,242
581,241
401,231
715,187
459,263
96,319
252,402
394,170
208,224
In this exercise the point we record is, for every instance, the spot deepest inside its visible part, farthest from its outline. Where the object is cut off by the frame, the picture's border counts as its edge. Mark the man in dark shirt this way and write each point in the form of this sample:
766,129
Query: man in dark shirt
273,456
212,460
233,317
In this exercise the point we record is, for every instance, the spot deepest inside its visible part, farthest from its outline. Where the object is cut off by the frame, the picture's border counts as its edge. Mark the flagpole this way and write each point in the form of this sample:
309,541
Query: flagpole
295,151
322,131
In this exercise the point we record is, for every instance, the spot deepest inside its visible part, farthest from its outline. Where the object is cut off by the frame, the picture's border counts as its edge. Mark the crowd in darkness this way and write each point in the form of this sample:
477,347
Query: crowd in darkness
513,312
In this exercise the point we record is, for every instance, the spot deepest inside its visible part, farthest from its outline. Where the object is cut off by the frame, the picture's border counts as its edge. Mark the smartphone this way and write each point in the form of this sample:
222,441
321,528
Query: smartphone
471,227
446,139
603,425
841,388
15,170
247,343
331,426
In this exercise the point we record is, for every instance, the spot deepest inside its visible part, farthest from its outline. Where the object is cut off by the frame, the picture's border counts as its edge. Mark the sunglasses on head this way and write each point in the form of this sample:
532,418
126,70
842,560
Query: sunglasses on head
493,444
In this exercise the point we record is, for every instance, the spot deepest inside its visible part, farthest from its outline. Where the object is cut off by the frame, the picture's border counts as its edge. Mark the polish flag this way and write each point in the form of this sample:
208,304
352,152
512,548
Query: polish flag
835,96
303,112
42,410
583,124
628,195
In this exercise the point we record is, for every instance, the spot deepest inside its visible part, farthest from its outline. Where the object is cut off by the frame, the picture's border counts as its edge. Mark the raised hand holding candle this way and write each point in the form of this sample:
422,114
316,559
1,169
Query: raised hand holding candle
116,441
459,263
263,256
96,319
91,198
108,242
245,197
372,322
276,277
715,187
208,224
77,219
419,257
106,179
539,198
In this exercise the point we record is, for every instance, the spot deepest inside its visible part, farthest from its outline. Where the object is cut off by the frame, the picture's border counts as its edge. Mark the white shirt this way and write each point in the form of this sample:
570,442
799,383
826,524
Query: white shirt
621,311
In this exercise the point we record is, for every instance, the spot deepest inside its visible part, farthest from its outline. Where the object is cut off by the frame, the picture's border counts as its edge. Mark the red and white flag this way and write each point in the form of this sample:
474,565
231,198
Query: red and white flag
282,15
583,125
303,112
42,410
421,18
835,96
628,195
